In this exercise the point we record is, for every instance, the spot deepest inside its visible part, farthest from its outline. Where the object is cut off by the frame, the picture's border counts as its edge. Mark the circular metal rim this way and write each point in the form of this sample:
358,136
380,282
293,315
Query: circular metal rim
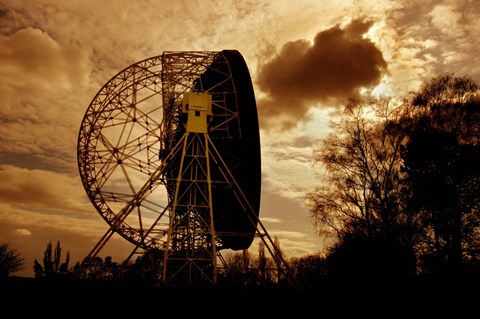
114,97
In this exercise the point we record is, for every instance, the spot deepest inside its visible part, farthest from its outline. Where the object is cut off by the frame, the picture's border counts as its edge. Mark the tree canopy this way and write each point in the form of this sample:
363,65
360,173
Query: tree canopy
406,175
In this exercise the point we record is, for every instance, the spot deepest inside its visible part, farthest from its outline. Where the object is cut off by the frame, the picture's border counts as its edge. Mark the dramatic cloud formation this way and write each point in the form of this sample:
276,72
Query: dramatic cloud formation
333,68
427,38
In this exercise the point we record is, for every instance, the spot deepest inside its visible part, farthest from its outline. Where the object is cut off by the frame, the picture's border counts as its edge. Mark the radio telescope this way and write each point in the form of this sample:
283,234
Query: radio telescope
169,155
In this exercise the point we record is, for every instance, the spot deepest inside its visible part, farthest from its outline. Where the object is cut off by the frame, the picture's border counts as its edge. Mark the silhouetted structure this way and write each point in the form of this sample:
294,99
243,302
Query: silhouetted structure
187,122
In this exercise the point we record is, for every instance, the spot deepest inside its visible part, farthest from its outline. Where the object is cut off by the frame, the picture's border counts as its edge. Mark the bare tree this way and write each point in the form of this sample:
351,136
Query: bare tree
363,195
363,162
406,175
266,267
262,261
238,269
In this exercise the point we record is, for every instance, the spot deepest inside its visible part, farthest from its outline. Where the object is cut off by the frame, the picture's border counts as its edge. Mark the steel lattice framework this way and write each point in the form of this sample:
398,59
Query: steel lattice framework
185,194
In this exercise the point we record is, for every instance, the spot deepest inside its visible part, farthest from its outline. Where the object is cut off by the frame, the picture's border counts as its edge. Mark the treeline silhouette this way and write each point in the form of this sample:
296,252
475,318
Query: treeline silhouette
403,185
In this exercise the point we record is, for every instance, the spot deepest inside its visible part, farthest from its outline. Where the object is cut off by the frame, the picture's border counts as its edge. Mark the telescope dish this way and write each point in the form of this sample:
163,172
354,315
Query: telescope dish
169,155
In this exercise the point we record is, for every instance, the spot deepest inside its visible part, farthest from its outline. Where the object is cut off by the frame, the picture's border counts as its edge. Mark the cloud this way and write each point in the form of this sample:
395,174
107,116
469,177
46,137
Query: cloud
31,60
23,232
431,38
39,190
302,75
271,220
292,243
41,88
288,167
292,157
28,222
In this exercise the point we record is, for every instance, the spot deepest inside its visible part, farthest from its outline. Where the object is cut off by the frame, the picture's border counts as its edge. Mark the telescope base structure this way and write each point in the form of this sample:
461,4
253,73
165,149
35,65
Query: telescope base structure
169,155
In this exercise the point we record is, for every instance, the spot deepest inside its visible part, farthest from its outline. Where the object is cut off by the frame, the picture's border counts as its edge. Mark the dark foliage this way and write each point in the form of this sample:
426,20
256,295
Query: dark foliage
10,260
367,259
403,193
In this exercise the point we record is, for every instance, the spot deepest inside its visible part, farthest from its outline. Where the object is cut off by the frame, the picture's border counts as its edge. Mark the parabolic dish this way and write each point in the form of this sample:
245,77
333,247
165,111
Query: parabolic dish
134,122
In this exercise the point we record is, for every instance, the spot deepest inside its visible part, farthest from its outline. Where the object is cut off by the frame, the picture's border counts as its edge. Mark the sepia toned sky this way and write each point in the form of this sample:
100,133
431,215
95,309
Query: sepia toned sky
306,57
